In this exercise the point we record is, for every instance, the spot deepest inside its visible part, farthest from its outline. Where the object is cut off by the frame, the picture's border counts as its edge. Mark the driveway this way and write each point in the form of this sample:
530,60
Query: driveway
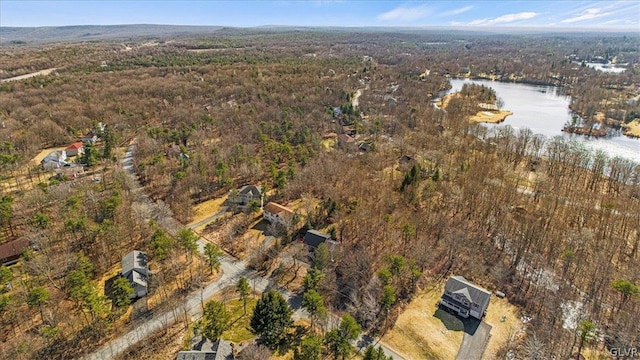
476,337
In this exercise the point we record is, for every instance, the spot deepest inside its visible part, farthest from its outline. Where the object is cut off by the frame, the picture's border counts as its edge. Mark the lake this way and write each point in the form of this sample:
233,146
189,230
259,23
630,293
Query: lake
545,110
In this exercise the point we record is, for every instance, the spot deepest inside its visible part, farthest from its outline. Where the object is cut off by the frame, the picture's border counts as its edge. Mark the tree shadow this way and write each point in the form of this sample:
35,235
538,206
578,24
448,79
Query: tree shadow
295,302
292,339
108,286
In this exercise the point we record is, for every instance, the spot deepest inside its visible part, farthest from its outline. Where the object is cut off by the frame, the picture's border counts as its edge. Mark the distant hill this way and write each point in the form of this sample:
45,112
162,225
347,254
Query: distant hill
50,34
31,35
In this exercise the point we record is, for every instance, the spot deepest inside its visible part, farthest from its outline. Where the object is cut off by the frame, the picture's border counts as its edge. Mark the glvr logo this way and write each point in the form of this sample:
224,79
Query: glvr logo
625,353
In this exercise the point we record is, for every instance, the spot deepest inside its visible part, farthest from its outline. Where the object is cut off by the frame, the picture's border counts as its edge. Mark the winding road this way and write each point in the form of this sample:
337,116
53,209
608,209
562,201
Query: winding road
232,271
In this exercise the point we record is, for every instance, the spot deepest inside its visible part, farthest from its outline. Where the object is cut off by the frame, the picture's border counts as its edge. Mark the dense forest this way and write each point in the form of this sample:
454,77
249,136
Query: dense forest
428,195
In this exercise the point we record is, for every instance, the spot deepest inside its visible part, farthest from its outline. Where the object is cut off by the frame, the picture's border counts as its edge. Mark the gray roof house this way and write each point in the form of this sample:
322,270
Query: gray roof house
465,298
55,159
207,350
313,238
136,270
245,195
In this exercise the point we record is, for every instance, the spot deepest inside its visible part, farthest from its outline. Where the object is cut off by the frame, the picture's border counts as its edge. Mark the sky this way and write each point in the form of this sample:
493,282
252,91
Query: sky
604,15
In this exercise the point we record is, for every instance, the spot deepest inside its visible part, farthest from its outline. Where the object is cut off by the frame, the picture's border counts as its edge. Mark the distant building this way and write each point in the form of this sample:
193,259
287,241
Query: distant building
10,252
465,298
55,159
91,138
245,195
136,270
345,140
207,350
75,149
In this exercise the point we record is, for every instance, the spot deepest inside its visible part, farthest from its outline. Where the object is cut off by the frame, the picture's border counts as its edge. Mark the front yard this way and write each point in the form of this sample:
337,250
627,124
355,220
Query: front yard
423,331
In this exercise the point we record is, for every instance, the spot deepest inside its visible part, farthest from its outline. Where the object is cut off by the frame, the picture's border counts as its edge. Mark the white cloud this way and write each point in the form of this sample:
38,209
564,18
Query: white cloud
406,14
588,14
480,22
610,22
505,18
457,11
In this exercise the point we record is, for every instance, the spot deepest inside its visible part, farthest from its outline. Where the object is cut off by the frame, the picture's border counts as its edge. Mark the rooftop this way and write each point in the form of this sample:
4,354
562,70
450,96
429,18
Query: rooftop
473,293
13,248
275,208
75,146
135,260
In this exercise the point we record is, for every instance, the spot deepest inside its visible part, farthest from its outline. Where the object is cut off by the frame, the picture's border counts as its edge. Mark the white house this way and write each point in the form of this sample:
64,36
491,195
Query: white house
55,159
277,214
75,149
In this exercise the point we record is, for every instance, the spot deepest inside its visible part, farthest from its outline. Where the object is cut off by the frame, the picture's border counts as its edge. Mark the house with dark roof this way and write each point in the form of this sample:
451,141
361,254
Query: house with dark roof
136,269
91,137
277,214
465,298
207,350
245,195
10,252
313,238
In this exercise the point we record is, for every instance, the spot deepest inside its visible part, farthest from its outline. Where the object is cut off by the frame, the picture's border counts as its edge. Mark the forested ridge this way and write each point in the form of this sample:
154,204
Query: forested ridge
431,195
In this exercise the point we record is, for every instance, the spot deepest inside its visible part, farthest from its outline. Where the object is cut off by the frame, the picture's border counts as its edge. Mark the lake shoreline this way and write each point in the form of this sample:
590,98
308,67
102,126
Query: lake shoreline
632,132
482,116
556,84
545,110
632,129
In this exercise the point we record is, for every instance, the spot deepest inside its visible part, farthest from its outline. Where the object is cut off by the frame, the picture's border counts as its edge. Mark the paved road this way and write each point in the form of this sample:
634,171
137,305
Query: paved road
474,342
232,271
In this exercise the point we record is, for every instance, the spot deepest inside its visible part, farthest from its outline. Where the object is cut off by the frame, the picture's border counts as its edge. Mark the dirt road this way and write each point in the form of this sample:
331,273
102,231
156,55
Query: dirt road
27,76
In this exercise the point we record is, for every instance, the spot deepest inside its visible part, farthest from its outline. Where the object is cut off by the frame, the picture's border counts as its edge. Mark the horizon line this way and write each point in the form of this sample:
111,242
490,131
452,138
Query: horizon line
414,27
